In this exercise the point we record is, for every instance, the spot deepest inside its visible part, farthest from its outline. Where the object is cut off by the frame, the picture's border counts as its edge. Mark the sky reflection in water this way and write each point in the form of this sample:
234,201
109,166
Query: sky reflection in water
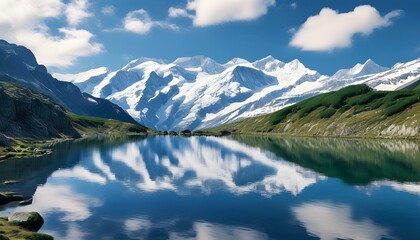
168,187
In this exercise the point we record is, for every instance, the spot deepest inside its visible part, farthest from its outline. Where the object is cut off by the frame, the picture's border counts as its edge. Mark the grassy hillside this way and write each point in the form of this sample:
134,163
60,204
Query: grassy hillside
354,111
92,125
29,119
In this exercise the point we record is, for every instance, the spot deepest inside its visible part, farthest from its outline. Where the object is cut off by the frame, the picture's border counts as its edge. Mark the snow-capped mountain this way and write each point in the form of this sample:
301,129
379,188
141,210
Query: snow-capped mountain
197,92
369,67
81,77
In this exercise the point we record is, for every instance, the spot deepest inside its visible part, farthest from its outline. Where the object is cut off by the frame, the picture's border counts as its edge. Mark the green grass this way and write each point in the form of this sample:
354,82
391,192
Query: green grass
352,111
348,97
93,125
86,126
11,231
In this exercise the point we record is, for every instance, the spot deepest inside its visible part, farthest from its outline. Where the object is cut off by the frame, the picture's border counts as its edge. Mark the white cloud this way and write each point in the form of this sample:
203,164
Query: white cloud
77,11
329,29
293,5
220,11
108,10
24,22
140,22
178,12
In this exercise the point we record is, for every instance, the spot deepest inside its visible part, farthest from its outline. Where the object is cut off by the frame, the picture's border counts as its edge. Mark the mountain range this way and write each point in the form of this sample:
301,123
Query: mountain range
197,92
19,65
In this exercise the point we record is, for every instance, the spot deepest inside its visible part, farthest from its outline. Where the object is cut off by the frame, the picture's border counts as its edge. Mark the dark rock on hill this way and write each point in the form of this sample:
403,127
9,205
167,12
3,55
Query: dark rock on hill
25,113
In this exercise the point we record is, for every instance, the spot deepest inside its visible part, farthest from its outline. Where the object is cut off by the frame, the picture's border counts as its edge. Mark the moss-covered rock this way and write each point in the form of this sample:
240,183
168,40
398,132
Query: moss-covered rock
13,230
39,236
28,220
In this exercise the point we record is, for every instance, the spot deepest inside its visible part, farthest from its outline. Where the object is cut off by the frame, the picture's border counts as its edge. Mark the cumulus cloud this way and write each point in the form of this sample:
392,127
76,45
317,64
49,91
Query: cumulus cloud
293,5
140,22
108,10
220,11
178,12
329,29
24,23
77,11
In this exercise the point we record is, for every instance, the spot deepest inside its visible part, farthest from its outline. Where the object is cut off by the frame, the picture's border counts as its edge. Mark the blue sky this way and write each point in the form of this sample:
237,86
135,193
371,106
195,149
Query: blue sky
326,35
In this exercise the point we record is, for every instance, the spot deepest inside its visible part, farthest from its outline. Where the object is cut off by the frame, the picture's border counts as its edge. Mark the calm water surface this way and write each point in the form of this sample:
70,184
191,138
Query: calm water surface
169,187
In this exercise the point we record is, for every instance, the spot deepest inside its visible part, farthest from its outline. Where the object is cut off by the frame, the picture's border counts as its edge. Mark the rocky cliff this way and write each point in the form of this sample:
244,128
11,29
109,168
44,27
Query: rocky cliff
25,113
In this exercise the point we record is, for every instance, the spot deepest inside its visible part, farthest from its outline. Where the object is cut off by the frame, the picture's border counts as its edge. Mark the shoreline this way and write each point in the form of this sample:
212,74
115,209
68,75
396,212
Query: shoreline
27,147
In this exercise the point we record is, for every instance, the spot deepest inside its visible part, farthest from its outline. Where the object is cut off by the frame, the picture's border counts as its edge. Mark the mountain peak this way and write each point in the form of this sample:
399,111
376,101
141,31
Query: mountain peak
236,61
369,61
138,61
267,58
20,52
82,76
206,64
368,67
194,61
295,64
268,64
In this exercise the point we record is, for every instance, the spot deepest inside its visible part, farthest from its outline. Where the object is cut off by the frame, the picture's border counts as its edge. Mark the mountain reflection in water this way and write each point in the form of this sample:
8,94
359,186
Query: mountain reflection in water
241,187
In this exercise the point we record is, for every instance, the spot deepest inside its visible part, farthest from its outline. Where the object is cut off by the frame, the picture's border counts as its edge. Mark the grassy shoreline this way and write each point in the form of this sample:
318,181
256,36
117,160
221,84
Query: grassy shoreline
10,230
26,147
33,148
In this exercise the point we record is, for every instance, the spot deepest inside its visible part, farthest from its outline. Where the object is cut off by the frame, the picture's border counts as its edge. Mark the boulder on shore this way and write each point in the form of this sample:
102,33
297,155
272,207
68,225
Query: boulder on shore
28,220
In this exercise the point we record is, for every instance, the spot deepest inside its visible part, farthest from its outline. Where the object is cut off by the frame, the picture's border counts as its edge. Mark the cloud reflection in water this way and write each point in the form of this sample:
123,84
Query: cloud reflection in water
183,163
331,221
58,198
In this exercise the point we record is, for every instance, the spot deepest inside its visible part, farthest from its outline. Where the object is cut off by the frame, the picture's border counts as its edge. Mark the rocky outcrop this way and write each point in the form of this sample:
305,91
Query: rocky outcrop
24,113
28,220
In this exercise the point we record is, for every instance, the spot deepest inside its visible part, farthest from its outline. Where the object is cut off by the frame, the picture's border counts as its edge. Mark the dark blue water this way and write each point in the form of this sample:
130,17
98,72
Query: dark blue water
169,187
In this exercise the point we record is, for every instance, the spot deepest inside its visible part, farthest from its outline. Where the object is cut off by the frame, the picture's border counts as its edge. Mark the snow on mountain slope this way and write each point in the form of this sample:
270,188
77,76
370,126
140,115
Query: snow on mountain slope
199,63
369,67
268,64
197,92
81,77
396,78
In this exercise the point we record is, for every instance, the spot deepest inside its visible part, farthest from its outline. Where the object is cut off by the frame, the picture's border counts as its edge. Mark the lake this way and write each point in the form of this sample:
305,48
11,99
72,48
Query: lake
237,187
